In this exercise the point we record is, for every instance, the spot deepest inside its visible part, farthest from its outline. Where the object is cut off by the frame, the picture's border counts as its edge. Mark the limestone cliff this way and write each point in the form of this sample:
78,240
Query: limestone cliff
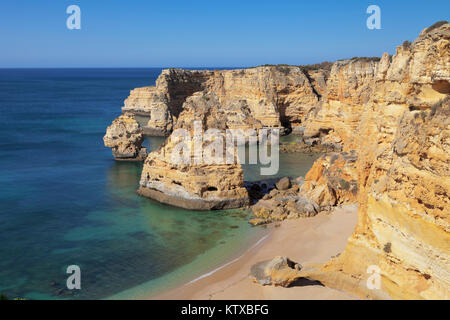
277,96
403,146
148,101
335,120
202,181
163,102
393,114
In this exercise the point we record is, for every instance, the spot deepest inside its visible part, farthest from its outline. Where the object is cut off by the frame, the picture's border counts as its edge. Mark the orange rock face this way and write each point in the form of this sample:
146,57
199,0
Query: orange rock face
199,185
392,113
124,137
336,119
332,180
403,146
277,96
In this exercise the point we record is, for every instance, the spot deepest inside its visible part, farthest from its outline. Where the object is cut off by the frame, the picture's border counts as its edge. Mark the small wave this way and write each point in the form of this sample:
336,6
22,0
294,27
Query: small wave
228,263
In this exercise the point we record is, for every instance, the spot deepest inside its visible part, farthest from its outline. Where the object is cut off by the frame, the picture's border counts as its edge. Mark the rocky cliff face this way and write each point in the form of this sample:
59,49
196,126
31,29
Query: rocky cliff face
124,136
199,180
392,113
335,120
277,96
403,146
163,102
148,101
332,180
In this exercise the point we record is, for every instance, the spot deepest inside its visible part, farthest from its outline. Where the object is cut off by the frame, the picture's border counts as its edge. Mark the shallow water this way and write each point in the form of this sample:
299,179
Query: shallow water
65,201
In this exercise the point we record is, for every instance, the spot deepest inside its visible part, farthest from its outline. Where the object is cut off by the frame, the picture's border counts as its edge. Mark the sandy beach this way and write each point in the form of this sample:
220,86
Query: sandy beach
308,240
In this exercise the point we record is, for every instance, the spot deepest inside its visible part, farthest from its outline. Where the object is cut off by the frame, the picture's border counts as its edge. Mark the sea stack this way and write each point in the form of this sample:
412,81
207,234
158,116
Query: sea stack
124,136
199,183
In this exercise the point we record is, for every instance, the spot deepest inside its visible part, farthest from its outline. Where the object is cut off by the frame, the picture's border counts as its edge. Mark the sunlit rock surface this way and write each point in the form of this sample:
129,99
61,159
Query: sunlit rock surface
403,146
124,137
205,181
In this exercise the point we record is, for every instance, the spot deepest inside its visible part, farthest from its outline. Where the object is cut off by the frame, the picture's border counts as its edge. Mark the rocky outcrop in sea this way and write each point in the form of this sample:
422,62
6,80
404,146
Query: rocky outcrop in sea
199,183
387,120
124,136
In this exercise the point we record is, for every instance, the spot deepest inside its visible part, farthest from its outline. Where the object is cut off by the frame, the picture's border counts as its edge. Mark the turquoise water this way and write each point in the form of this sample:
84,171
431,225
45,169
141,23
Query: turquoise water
65,201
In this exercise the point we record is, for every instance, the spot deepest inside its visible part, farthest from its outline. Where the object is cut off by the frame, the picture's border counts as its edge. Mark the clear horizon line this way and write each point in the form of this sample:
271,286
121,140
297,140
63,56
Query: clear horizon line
161,67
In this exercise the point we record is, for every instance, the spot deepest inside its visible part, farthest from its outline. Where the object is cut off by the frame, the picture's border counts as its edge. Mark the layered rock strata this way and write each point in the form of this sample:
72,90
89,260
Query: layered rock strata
152,103
394,112
332,181
204,180
277,96
334,121
163,102
400,247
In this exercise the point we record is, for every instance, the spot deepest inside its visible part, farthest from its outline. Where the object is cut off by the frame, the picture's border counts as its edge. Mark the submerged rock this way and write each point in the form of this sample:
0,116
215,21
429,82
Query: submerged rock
124,136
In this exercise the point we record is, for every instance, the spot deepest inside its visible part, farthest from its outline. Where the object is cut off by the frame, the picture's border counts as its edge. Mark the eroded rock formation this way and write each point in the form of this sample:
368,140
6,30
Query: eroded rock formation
403,146
280,271
204,181
124,136
334,121
153,103
332,180
277,96
394,113
283,201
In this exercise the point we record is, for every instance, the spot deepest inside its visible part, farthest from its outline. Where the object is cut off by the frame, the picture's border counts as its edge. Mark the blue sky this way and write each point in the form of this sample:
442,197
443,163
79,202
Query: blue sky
205,33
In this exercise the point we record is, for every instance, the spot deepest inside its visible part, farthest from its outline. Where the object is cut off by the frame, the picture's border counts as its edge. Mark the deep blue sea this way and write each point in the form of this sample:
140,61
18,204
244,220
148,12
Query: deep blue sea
65,201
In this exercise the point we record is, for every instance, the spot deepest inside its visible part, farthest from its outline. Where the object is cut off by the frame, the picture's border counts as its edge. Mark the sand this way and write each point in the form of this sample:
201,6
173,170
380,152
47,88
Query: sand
307,240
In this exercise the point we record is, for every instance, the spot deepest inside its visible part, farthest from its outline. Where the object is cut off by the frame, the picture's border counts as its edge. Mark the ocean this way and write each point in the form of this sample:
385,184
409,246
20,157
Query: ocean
65,201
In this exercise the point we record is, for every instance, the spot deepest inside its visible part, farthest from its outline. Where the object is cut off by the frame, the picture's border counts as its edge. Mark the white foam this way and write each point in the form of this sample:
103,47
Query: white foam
228,263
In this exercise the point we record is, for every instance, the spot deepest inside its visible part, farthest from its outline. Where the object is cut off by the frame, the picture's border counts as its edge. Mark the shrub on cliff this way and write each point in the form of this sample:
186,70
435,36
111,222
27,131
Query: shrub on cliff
363,59
326,65
406,44
435,26
438,105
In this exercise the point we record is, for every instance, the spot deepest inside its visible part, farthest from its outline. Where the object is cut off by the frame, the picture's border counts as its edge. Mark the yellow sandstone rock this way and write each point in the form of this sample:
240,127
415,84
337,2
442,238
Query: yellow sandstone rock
403,145
124,136
277,96
202,185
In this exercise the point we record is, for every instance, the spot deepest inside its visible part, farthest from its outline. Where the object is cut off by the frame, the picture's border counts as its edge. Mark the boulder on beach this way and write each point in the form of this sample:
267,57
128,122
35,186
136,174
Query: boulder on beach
280,271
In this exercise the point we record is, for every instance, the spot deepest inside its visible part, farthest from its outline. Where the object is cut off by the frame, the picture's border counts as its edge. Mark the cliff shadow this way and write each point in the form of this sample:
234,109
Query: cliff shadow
258,189
305,282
